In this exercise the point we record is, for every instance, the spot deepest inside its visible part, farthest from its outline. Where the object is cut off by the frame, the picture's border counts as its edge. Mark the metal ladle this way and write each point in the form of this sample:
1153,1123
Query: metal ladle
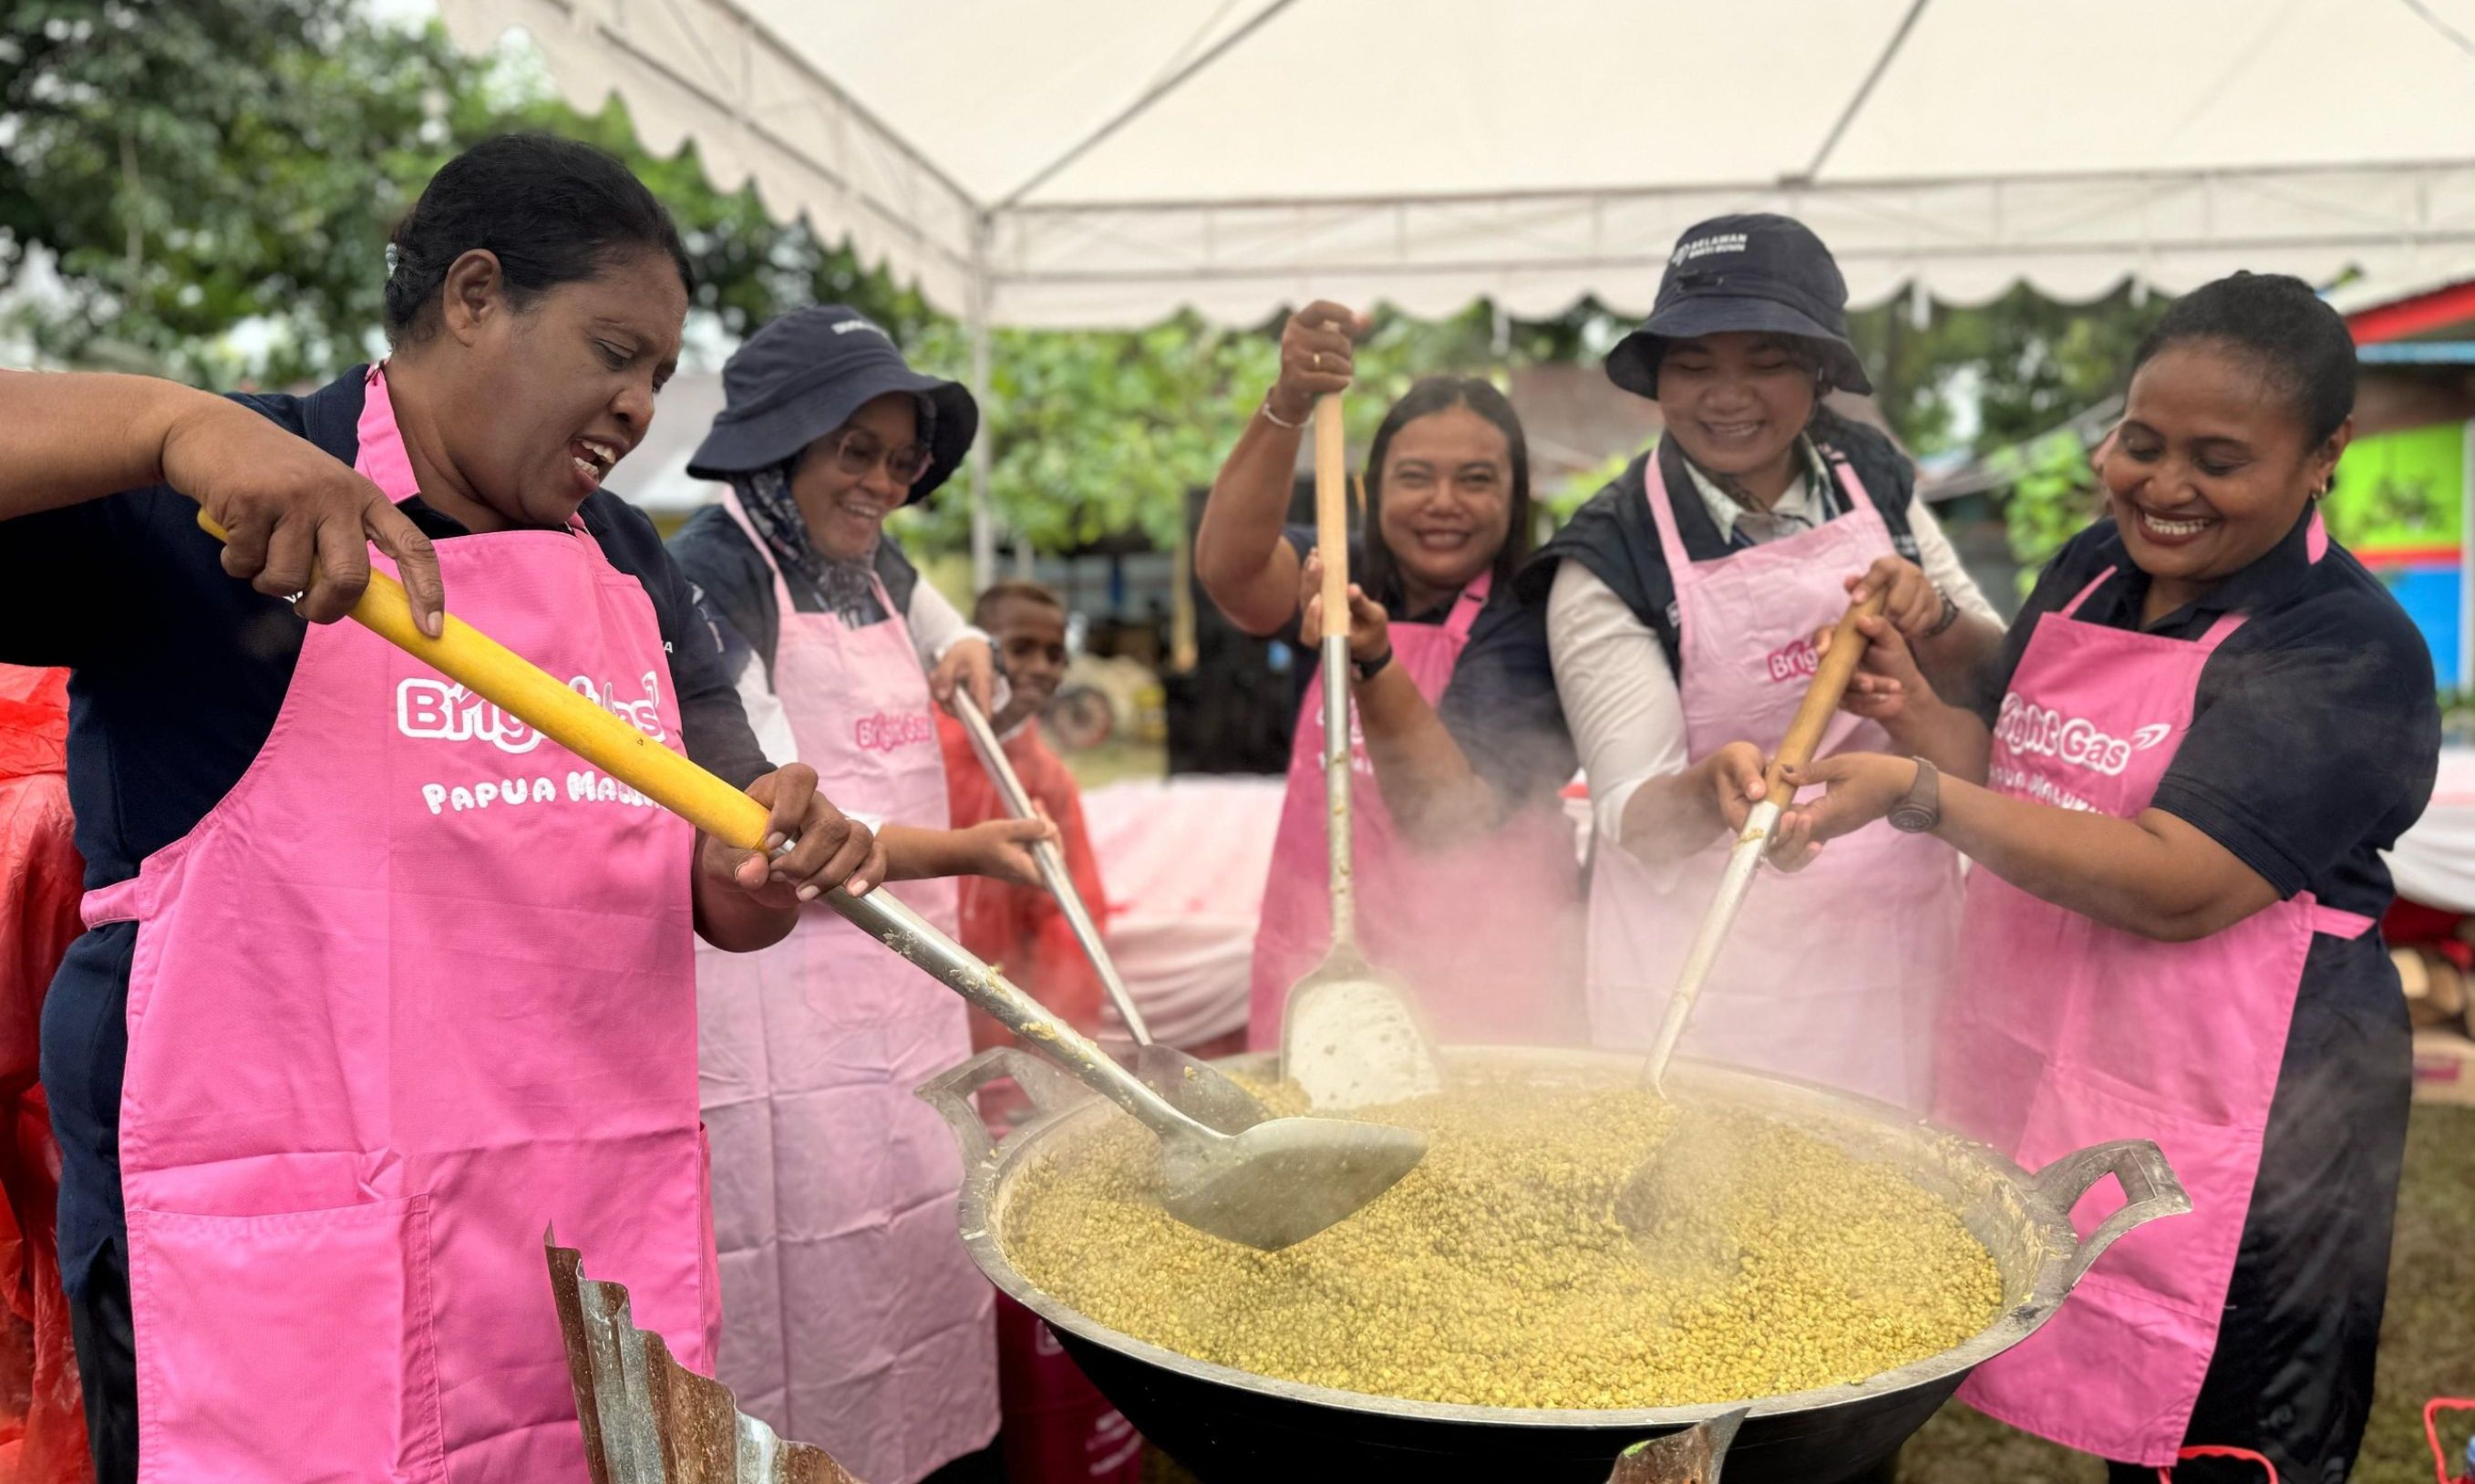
1276,1183
1192,1086
1351,1034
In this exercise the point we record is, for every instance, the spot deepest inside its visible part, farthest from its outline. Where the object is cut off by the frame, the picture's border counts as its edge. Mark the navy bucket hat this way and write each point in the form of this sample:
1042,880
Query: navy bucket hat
803,375
1762,273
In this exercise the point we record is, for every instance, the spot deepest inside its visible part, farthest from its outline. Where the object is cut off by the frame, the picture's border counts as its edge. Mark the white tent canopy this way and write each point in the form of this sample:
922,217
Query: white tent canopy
1105,163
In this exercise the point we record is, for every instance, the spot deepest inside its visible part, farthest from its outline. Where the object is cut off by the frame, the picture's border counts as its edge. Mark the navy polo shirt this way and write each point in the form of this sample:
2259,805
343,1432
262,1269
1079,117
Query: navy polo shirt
2314,736
177,673
2316,731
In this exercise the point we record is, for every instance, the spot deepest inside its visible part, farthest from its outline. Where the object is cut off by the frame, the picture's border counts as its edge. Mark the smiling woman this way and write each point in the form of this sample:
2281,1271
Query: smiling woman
546,391
837,1225
1447,523
2203,473
2212,722
338,1044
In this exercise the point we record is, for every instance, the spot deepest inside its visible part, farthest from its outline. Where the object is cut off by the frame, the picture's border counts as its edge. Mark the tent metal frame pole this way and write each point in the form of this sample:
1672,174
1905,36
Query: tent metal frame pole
984,531
1863,91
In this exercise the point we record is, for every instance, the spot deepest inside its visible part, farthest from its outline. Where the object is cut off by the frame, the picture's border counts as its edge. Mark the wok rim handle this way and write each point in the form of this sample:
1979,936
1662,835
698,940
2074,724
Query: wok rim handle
949,1092
2150,1190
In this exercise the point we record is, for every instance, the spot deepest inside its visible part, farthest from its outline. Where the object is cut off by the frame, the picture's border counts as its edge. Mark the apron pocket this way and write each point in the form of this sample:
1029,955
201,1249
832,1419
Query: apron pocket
295,1346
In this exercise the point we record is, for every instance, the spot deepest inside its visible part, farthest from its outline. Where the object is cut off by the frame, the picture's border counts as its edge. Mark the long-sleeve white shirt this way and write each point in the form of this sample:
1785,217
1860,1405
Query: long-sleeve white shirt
1613,677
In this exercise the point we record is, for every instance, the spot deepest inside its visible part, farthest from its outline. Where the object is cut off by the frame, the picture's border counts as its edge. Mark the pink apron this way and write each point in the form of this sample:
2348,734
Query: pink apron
1479,931
373,1054
1831,974
852,1317
2066,1033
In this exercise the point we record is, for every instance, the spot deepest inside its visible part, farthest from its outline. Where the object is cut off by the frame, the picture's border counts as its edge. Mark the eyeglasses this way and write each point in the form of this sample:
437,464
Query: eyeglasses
857,450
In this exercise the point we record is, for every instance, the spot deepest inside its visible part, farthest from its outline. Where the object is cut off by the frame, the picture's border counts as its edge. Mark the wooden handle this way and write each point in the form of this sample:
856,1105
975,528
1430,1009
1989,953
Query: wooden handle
524,689
1821,698
1331,512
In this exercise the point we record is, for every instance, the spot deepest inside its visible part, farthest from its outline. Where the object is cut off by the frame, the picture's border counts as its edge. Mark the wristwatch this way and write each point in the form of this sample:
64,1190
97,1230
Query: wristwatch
1948,615
1369,670
1921,810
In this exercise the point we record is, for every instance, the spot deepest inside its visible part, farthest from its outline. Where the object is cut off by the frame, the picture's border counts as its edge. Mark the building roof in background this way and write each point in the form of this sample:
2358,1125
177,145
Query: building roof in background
2443,310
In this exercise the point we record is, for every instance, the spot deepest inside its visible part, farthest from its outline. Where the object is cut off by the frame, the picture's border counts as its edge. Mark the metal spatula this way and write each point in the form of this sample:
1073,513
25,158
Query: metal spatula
1190,1086
1278,1182
1351,1036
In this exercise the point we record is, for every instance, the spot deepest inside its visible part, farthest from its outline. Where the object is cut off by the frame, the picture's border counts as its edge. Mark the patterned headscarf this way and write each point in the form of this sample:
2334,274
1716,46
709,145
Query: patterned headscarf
845,589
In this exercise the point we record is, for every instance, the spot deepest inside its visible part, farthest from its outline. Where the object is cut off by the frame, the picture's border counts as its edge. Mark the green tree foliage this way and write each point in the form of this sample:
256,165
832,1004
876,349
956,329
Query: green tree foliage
189,168
1097,433
2026,365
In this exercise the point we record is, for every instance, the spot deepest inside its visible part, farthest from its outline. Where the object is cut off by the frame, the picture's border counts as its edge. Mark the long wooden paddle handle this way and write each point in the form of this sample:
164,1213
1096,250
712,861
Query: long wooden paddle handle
527,691
524,689
1823,696
1331,512
1331,542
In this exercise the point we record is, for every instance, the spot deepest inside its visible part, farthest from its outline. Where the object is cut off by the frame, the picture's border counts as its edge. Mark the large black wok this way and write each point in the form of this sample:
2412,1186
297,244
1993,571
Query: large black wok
1230,1426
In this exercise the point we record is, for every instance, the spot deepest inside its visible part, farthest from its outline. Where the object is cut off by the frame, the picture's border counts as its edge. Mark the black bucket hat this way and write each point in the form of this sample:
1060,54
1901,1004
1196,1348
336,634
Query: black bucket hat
803,375
1762,274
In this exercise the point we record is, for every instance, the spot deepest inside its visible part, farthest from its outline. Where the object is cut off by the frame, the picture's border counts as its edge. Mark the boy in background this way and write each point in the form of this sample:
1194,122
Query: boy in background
1058,1428
1021,929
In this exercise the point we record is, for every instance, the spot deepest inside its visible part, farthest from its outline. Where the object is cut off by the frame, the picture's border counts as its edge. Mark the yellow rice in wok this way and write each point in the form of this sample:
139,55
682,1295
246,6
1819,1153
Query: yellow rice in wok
1497,1274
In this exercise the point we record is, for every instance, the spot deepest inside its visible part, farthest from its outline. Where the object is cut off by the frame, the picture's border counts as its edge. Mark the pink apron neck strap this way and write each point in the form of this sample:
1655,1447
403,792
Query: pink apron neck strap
384,461
2072,609
381,456
2316,546
738,513
2227,622
1467,607
1671,539
1662,514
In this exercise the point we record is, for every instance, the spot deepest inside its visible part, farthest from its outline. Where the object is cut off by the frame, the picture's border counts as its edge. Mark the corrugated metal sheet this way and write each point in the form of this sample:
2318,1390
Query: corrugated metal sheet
646,1419
1693,1456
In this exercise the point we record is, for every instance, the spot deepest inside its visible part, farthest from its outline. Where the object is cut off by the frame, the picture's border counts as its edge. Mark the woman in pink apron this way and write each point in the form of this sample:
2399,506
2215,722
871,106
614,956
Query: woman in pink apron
1679,606
2214,720
379,984
852,1317
1476,926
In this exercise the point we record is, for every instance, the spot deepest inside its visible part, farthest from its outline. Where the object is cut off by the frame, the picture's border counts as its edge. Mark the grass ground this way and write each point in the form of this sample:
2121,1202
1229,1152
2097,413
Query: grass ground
2427,1342
1115,761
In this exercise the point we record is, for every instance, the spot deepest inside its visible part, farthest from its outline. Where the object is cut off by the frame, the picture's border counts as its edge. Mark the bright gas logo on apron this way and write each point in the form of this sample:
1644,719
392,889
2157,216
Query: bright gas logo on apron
439,710
2024,726
432,710
890,731
1795,660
